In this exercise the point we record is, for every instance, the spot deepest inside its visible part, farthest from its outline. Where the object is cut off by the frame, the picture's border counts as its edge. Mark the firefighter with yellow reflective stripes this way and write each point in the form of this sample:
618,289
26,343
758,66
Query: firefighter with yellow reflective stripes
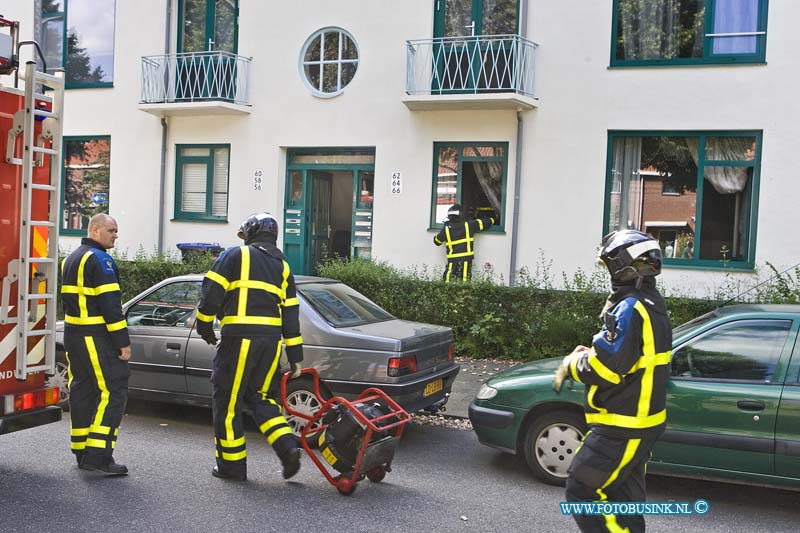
98,347
458,234
625,372
251,290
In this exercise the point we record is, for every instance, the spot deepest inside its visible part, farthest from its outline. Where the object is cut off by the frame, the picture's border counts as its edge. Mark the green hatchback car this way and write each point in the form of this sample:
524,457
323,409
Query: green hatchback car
733,404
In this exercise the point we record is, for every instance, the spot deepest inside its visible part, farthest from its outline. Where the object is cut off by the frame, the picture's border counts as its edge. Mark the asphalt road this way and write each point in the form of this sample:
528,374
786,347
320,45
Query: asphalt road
443,480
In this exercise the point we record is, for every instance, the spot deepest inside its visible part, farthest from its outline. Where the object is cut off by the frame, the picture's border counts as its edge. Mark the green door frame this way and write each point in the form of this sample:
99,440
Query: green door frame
211,14
439,17
297,239
208,84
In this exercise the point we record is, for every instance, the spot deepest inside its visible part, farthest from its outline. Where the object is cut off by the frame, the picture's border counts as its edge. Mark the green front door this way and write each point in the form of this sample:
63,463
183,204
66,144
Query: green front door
206,26
328,206
465,61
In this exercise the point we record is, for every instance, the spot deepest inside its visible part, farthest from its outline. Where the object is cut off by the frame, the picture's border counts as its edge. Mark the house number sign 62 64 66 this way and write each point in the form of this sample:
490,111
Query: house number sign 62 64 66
397,183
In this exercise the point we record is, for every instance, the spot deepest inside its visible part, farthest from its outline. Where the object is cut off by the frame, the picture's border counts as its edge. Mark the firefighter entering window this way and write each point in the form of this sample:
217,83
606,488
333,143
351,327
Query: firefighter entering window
458,234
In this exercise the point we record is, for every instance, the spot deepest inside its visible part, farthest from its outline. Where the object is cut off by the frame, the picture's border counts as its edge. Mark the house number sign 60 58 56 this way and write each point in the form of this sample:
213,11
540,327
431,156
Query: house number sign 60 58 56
258,180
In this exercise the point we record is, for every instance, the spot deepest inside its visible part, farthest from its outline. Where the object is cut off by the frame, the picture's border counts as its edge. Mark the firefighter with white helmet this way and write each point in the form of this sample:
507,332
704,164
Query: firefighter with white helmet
252,291
625,372
458,234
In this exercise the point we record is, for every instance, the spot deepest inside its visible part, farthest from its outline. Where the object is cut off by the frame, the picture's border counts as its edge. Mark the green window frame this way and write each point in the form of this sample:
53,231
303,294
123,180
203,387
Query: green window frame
716,174
61,38
722,33
192,185
455,172
86,158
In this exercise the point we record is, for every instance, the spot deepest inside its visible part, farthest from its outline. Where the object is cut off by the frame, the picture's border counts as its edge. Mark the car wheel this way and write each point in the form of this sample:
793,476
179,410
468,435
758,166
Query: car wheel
300,397
551,443
61,380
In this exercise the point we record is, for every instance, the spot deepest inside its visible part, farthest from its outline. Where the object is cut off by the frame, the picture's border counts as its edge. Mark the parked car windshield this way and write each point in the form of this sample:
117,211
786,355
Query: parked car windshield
694,324
342,306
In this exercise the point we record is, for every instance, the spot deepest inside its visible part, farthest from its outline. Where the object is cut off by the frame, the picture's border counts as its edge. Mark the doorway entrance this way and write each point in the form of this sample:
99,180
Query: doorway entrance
328,206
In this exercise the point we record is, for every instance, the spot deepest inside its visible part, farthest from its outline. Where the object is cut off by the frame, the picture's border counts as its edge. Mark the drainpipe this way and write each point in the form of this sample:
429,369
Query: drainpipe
163,174
512,274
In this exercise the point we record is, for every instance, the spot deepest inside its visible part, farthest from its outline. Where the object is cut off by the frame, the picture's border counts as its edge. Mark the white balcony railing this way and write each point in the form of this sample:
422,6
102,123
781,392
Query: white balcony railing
464,65
196,77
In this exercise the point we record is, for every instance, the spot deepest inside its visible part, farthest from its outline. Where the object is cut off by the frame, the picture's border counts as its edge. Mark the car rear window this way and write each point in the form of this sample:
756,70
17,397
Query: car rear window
342,306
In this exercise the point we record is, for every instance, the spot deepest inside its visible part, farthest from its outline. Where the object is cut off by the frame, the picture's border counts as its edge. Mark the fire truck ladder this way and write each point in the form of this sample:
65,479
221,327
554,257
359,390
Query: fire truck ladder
20,270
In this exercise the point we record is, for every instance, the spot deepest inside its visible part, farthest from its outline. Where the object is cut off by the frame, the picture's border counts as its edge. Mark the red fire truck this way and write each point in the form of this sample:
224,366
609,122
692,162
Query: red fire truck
30,178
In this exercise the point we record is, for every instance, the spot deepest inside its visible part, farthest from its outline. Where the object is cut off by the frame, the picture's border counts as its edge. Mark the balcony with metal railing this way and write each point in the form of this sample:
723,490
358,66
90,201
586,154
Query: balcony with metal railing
480,72
196,83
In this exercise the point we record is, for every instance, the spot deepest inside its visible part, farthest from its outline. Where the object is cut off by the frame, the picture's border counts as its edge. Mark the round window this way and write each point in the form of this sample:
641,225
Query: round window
328,61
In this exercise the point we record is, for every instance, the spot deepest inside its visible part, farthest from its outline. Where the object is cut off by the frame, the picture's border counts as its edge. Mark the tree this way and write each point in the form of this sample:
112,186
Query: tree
79,63
672,158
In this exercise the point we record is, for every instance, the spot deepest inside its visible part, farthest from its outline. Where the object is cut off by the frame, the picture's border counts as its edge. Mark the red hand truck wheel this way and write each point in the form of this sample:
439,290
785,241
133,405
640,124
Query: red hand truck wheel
345,485
377,474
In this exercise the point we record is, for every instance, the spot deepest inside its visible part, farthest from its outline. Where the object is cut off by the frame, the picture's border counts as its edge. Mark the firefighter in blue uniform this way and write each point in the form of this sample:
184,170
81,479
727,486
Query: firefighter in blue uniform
98,347
625,372
458,234
251,290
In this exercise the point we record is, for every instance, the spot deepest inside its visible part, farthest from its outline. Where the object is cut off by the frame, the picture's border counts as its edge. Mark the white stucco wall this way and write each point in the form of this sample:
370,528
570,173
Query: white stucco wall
565,140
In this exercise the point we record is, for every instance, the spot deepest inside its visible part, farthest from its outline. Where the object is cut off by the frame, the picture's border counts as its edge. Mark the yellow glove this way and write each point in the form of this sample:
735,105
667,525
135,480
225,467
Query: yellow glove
562,373
297,368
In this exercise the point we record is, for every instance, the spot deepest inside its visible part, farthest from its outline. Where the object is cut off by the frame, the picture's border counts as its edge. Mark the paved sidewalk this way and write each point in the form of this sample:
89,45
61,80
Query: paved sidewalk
472,375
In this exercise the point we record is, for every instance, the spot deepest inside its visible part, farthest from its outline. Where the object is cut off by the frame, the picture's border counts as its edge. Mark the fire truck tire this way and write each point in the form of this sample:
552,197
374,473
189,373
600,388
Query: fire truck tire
300,397
345,485
377,474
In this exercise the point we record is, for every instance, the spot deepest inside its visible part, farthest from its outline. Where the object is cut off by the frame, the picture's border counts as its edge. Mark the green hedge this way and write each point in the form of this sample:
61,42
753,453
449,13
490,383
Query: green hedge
494,320
490,319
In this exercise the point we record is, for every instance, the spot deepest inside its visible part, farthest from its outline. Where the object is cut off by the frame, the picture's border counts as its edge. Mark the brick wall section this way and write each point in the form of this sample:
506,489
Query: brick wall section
667,207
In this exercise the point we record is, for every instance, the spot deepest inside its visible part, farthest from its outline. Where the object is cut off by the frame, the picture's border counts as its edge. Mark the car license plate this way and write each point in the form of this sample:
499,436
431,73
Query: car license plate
432,388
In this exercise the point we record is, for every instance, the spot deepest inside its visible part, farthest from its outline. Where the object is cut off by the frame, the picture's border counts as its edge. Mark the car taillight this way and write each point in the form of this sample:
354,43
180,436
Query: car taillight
451,352
31,400
400,366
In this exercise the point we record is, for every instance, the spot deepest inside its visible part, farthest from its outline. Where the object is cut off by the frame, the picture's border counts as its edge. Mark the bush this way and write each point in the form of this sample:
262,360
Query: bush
143,270
530,321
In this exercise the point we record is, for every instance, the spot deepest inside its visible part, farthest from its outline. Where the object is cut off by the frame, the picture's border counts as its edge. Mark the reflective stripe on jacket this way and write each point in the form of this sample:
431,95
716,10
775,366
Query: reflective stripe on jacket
90,293
460,236
626,370
252,291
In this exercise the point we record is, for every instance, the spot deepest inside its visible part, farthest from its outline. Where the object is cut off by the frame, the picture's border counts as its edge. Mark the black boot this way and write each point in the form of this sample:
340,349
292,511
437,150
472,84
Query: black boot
107,466
78,457
291,462
229,475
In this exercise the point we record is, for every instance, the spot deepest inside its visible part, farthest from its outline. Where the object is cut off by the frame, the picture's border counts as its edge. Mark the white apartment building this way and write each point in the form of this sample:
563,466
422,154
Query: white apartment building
360,122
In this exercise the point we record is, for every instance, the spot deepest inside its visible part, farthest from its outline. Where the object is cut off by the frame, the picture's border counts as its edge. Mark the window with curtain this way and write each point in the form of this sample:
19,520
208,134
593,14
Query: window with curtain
87,173
78,36
708,216
652,32
470,174
201,182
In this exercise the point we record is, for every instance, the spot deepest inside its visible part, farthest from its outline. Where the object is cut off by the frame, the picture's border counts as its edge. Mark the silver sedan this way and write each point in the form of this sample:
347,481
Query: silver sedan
351,341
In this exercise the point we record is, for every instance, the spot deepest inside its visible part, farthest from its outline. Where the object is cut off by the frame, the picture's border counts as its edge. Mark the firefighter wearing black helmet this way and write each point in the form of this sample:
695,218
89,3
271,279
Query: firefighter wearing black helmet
458,234
625,373
251,290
